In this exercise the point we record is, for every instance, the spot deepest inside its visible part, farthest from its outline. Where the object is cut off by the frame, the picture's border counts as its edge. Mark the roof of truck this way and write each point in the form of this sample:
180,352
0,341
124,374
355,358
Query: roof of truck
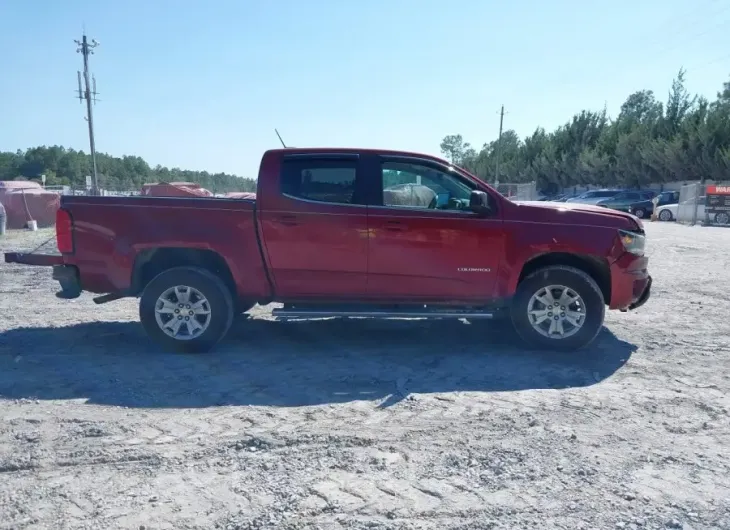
304,150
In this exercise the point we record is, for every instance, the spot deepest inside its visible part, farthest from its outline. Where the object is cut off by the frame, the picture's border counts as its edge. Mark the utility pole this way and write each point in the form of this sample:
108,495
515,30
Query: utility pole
89,93
499,147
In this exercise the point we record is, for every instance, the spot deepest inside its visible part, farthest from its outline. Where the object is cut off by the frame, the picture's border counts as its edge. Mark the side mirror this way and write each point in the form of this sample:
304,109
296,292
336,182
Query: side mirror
479,202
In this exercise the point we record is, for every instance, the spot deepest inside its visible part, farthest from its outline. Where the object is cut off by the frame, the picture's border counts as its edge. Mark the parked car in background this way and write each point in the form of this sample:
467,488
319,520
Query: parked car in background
644,209
559,197
594,196
623,200
668,212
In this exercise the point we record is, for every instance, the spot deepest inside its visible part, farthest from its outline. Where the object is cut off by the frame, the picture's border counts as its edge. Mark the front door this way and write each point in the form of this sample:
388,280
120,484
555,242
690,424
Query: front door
315,228
624,200
425,244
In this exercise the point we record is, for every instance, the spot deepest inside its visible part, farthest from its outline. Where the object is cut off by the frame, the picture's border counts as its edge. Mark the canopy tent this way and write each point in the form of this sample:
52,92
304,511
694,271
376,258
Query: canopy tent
25,201
174,189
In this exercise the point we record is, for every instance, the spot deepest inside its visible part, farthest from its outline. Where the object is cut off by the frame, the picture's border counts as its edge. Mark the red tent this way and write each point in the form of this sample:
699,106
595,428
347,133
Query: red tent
240,195
174,189
25,201
10,185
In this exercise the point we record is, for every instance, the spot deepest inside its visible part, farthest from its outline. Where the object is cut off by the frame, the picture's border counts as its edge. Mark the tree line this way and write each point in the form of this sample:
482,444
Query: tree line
649,142
69,167
687,138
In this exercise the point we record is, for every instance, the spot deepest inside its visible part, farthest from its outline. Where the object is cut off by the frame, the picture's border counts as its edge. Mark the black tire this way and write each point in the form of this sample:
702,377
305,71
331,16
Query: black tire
640,213
210,286
574,279
722,218
665,215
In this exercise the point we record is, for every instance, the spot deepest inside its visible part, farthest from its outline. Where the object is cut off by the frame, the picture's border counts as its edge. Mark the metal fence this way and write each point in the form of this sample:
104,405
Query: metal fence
693,207
519,192
688,209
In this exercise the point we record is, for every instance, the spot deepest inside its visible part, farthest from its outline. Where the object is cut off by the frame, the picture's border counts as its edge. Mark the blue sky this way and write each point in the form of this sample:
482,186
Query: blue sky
201,85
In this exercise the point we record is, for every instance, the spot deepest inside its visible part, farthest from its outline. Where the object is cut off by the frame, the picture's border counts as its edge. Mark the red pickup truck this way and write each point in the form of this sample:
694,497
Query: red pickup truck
352,233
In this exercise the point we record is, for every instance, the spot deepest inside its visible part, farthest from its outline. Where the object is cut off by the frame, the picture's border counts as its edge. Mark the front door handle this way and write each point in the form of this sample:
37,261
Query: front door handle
288,220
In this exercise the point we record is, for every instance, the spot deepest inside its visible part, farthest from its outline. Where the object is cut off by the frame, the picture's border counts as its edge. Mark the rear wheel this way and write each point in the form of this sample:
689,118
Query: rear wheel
722,218
558,308
186,309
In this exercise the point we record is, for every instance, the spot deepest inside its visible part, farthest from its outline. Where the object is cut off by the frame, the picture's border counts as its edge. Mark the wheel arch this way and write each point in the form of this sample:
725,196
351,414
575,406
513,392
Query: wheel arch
597,268
152,261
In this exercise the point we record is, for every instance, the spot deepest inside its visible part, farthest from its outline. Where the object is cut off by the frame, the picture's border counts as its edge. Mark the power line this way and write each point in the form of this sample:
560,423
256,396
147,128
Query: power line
89,93
683,22
681,37
708,63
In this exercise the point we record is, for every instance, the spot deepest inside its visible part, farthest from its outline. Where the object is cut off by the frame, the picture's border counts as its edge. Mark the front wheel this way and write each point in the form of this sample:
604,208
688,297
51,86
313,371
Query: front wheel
558,308
186,309
665,215
640,213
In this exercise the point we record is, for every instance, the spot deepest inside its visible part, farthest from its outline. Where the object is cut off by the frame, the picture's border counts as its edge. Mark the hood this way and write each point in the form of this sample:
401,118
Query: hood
577,213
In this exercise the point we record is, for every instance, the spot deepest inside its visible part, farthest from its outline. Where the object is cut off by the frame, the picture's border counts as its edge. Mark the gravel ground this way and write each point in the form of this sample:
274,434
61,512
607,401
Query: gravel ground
369,425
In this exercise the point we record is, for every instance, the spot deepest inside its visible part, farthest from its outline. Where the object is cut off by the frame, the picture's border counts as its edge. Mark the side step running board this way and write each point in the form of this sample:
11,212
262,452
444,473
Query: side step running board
304,312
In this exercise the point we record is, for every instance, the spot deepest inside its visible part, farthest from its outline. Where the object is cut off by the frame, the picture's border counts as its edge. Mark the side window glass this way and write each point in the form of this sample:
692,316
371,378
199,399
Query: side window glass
409,185
331,181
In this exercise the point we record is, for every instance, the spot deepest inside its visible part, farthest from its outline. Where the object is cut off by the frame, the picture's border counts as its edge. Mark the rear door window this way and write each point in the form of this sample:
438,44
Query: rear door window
327,181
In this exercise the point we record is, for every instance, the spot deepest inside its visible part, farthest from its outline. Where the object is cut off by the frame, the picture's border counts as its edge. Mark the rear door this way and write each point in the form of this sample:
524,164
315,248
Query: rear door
425,244
314,227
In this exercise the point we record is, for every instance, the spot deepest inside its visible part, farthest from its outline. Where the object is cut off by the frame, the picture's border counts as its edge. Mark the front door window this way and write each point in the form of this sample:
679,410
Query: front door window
409,185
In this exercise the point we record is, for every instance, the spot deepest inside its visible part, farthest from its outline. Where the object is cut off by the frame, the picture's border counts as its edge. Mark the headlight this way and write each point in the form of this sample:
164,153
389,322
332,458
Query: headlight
632,242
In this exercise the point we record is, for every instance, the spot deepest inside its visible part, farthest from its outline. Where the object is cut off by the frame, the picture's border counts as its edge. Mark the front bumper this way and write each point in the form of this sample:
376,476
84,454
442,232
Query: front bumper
630,282
644,294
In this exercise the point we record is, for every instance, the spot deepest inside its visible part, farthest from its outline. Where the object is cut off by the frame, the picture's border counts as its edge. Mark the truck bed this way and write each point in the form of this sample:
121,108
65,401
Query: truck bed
111,233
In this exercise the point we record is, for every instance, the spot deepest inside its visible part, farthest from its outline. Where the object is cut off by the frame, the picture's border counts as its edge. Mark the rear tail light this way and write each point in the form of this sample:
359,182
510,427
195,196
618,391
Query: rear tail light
64,232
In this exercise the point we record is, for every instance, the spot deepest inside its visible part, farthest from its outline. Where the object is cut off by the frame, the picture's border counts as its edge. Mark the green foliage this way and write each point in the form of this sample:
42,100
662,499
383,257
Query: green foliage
648,142
68,167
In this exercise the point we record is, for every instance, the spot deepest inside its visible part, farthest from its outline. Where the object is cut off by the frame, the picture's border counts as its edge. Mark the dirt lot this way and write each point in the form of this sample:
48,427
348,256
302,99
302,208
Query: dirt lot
369,425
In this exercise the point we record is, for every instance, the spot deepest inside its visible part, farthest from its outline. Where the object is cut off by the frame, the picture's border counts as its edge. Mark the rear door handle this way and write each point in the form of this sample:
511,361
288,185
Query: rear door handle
395,226
288,220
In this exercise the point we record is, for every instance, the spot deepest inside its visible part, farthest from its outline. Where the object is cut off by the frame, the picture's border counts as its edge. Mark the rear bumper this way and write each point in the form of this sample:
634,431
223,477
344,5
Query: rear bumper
39,260
66,275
